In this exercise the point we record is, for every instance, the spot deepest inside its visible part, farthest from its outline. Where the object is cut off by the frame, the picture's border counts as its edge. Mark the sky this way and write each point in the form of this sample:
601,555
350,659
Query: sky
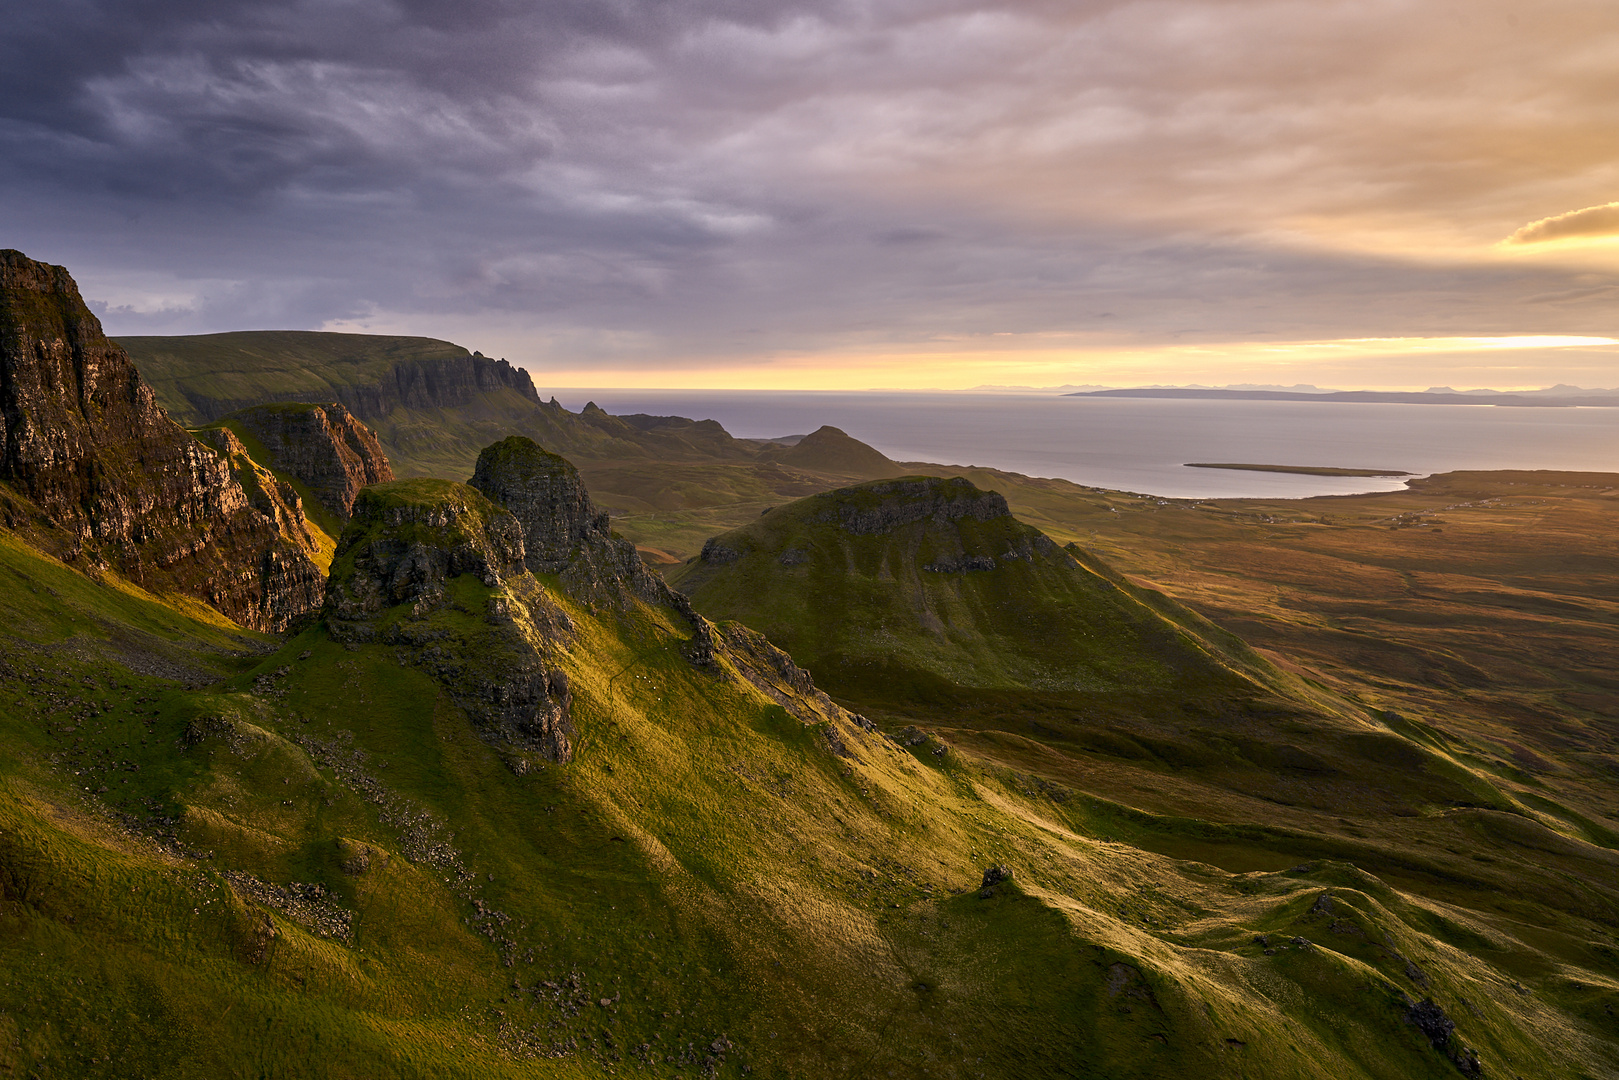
843,193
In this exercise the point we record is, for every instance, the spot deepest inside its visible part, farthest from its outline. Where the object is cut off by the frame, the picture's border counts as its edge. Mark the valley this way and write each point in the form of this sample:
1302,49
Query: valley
351,730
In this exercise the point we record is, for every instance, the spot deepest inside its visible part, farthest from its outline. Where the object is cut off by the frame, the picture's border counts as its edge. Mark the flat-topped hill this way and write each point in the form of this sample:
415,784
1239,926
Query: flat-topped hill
929,584
203,377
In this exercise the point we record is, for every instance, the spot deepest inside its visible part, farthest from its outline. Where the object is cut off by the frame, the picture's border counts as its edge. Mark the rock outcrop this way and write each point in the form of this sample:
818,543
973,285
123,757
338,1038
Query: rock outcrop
873,509
87,443
565,534
268,493
325,446
393,581
548,496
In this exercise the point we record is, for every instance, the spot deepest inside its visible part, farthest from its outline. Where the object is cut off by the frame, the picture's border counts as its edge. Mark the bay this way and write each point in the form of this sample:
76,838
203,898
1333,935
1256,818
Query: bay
1143,445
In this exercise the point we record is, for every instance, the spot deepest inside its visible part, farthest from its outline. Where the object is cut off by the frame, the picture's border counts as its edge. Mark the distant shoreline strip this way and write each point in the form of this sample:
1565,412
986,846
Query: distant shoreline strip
1366,397
1303,470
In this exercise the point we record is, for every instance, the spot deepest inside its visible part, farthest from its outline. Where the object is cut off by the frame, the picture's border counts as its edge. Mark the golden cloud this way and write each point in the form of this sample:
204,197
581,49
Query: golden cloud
1591,222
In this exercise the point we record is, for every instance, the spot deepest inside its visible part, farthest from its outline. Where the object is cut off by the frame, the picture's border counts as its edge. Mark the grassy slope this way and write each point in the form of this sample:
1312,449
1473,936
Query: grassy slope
1408,799
863,613
676,481
706,865
270,365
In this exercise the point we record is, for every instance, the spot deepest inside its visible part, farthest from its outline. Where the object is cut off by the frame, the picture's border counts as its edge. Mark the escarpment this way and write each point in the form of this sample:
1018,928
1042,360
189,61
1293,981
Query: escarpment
873,509
87,443
325,446
565,534
207,377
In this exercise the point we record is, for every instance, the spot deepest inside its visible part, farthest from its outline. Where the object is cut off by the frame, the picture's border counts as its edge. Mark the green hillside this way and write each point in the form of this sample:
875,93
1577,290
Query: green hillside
227,855
673,481
201,377
918,589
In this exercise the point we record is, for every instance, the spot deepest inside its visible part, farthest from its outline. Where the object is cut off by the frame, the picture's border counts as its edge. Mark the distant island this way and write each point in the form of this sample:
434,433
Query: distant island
1384,397
1303,470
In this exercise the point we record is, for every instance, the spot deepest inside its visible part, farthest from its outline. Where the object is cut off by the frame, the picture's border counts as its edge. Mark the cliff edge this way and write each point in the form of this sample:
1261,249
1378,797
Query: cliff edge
325,446
87,443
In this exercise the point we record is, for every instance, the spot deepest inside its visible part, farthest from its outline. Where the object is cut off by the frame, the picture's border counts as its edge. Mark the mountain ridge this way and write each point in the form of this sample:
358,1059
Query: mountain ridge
86,442
508,805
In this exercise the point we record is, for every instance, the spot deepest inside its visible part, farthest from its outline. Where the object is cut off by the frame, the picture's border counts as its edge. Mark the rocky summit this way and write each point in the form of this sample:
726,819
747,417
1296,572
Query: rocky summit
565,534
420,555
86,442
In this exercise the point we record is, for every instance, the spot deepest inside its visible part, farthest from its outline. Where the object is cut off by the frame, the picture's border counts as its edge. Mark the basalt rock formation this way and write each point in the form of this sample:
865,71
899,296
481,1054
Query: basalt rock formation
565,534
269,494
548,496
325,446
87,443
394,580
872,509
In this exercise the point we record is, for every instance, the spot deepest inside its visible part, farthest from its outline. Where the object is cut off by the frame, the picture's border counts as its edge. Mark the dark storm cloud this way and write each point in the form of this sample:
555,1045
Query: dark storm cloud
647,179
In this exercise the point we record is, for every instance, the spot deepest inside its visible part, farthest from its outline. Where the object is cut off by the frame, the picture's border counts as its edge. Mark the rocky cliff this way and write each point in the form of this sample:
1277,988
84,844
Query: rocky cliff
87,443
440,383
873,509
206,377
401,576
325,446
268,493
565,534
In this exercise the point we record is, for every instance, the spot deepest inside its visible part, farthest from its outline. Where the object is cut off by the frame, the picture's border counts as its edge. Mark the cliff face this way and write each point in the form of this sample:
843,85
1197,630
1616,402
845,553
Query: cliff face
267,493
874,509
447,383
86,441
325,446
563,531
393,580
565,534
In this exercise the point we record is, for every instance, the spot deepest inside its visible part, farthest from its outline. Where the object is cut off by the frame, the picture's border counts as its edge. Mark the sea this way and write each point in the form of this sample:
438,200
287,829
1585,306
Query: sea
1144,444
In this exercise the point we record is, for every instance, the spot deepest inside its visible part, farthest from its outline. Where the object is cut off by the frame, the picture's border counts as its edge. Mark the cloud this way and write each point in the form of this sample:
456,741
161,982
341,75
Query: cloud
1593,221
741,177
